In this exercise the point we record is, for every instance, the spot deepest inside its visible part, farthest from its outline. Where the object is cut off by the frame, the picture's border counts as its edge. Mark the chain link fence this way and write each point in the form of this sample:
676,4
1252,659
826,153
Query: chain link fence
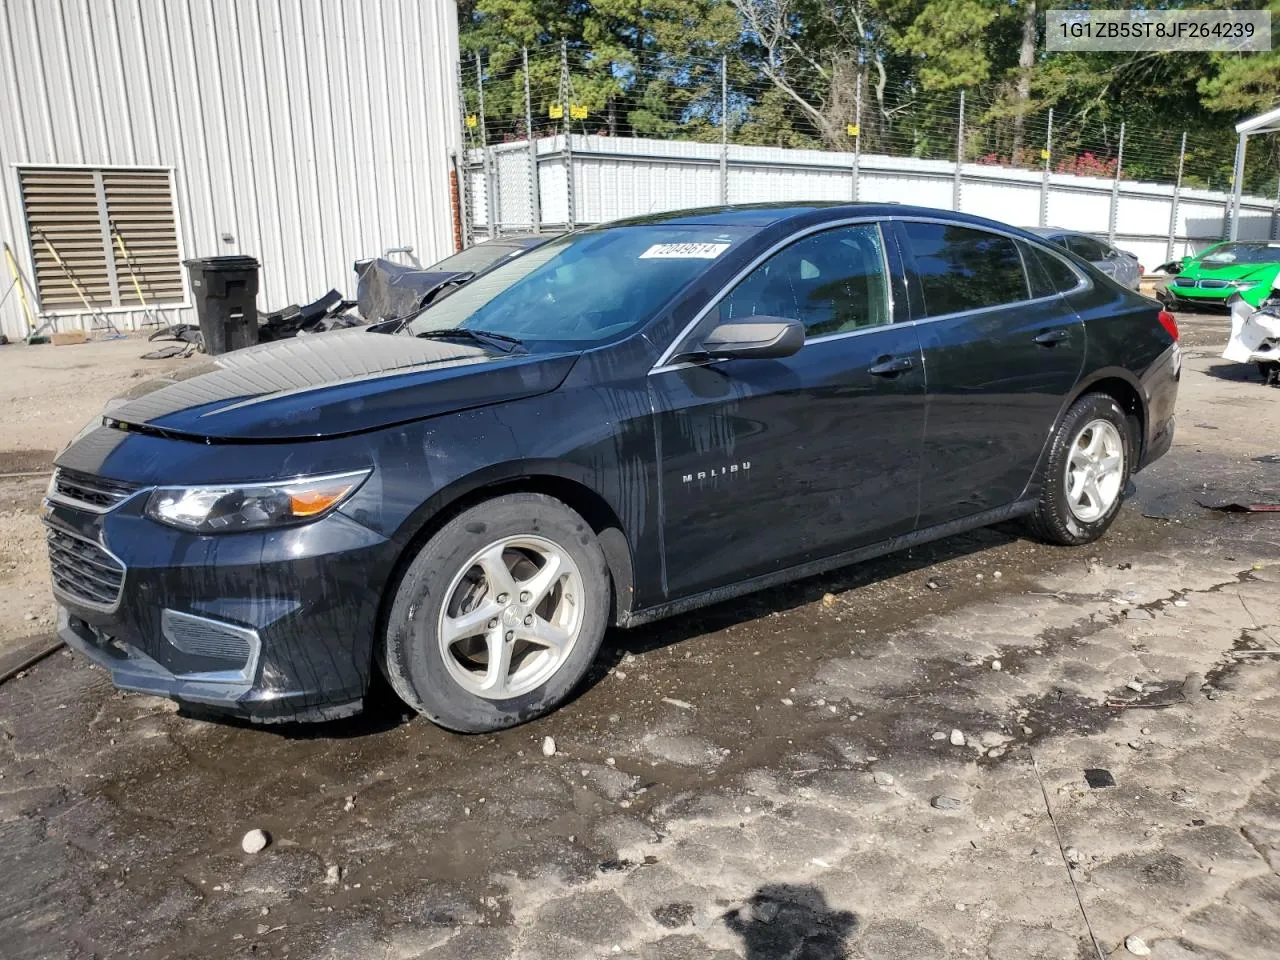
738,133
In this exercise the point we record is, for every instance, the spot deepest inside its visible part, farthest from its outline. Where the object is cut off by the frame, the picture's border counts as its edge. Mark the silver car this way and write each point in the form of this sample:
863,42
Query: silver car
1120,265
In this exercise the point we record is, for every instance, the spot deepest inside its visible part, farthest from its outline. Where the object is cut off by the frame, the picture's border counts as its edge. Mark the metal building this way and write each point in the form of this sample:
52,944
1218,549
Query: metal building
137,133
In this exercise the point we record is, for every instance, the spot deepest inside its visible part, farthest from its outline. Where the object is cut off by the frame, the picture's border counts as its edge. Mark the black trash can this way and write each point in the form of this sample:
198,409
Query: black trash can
225,291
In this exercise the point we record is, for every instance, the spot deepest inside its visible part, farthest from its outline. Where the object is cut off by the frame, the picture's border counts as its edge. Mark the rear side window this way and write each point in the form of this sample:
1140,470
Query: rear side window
961,268
1086,248
1048,274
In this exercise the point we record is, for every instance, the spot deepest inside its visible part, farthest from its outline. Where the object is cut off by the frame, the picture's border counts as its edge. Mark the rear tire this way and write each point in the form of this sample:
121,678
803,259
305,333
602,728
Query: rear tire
499,615
1090,459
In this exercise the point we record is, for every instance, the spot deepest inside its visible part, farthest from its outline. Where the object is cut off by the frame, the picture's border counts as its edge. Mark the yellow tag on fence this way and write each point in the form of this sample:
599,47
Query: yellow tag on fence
577,112
472,120
853,129
1044,154
555,111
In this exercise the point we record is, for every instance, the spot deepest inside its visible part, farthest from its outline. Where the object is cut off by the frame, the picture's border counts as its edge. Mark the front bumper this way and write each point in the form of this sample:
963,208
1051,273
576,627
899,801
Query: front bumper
269,625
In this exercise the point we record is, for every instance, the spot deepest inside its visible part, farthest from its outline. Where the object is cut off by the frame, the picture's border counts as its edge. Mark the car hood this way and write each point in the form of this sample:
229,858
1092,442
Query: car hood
331,384
1229,271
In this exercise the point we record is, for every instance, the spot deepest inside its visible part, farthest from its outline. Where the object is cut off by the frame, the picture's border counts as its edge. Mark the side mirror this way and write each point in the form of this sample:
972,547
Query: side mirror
1185,262
760,338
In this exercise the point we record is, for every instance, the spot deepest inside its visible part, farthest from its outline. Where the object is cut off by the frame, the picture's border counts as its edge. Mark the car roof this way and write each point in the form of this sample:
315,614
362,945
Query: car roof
763,215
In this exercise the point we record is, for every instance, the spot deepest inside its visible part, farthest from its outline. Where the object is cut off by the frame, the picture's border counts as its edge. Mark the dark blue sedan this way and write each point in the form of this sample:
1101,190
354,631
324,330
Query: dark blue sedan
624,423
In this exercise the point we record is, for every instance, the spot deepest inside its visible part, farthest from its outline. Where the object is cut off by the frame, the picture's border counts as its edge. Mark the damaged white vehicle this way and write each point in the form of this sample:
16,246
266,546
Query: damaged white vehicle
1255,337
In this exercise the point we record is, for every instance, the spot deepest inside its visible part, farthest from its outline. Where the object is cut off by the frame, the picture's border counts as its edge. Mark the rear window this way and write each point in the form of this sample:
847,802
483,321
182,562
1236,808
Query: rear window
1048,274
1086,248
962,268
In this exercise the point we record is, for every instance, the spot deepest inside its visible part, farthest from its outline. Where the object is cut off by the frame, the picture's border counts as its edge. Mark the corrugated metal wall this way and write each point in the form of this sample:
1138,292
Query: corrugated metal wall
310,132
620,177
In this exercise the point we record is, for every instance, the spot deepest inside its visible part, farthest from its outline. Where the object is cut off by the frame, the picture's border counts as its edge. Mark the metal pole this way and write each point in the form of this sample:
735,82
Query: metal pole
1237,188
955,184
568,136
490,199
857,137
462,162
1044,178
724,130
1275,211
1115,189
1177,196
535,185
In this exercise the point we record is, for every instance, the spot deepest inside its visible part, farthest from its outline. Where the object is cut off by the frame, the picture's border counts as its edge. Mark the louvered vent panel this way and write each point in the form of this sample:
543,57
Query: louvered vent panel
140,206
62,208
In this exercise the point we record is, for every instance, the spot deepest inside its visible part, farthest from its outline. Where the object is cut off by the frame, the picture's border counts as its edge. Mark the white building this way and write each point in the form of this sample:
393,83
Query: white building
138,133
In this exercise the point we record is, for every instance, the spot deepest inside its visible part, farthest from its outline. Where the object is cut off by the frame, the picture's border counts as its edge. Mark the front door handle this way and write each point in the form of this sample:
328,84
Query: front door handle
1050,337
891,367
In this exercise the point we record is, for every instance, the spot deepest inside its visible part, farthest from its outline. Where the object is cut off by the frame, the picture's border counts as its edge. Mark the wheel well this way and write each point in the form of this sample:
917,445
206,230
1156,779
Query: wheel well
1124,393
590,505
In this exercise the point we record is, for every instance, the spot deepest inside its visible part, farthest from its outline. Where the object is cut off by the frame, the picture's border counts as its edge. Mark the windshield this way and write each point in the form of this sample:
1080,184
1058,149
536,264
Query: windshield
1235,253
583,289
476,259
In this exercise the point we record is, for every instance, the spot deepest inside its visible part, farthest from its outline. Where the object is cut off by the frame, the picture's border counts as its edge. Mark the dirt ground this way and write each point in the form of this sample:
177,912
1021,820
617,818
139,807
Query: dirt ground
894,761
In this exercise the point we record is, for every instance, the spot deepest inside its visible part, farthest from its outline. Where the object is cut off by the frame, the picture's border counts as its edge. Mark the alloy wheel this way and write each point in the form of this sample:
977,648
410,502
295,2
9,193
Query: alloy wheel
1095,470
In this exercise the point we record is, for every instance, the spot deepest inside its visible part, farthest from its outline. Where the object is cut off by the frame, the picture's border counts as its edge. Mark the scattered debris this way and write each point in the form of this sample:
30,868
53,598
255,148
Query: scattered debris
939,735
828,599
1135,685
1073,855
1237,505
997,665
1268,458
1137,613
615,866
548,747
944,802
765,911
1097,778
787,701
957,738
333,875
349,805
682,704
255,841
1137,946
673,915
1183,796
882,778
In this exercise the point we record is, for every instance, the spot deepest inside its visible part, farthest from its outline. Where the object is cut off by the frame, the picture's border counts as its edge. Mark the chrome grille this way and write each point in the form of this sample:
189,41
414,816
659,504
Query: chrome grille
93,493
207,638
82,570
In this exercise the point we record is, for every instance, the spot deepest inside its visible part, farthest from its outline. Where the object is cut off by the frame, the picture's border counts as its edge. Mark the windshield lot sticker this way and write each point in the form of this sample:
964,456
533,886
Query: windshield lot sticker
684,251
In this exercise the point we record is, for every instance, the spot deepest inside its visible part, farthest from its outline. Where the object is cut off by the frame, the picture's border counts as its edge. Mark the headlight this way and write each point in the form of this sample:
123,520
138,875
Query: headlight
1242,284
227,508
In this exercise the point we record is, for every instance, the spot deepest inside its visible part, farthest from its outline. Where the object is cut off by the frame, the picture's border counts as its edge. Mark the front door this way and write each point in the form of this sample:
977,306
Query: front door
1001,352
765,464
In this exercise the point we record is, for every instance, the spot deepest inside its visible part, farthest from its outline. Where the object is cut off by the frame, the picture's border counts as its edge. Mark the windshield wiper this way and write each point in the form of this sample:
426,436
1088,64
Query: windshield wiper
488,338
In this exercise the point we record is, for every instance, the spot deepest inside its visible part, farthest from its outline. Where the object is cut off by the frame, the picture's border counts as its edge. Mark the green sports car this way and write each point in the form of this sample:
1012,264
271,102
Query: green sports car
1224,270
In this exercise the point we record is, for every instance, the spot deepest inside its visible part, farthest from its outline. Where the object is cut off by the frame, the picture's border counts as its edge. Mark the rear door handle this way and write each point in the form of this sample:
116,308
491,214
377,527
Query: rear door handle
1050,337
891,367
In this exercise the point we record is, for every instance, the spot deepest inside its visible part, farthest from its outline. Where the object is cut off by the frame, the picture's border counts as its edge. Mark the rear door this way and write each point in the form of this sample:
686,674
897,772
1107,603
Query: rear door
1001,351
766,464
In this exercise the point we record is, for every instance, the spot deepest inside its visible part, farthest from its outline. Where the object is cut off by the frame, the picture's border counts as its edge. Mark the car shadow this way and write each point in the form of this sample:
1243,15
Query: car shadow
799,593
1236,372
791,920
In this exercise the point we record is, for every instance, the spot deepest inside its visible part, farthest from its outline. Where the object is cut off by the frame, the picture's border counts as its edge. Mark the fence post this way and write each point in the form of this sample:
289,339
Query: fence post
1237,187
1177,196
463,165
955,184
535,185
1044,178
857,136
570,217
1275,210
490,184
1115,189
724,130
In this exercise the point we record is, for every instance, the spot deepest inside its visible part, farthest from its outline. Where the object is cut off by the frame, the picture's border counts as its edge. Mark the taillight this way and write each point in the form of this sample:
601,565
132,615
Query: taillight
1142,271
1169,323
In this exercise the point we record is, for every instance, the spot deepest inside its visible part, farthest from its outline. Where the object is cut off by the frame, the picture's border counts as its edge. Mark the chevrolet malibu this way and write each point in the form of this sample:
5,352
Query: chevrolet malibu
627,422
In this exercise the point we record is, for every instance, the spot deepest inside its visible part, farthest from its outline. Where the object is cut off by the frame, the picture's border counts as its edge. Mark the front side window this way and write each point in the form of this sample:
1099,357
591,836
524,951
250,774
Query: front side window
832,282
962,268
582,289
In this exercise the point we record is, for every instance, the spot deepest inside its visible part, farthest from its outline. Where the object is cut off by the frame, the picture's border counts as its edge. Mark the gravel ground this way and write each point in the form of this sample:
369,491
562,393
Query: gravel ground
893,761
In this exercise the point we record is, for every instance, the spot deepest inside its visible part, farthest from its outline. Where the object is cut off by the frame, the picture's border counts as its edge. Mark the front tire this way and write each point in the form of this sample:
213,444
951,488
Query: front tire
1090,460
499,615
